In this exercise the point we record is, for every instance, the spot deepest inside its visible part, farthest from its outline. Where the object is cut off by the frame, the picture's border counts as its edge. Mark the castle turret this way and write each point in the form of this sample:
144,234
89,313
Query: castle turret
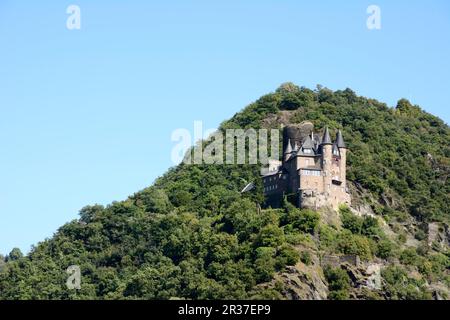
312,172
340,140
326,137
288,151
343,161
327,159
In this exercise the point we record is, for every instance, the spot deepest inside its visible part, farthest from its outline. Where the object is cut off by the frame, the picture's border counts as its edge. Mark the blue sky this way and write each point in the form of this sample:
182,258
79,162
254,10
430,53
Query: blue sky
86,115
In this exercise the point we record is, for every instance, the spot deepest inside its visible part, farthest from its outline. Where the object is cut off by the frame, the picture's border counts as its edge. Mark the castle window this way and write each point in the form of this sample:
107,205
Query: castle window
306,172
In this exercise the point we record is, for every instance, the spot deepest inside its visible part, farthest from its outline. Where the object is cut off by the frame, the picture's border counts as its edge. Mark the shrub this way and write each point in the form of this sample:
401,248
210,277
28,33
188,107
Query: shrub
439,264
409,257
402,238
304,220
305,257
348,243
287,256
367,226
270,236
264,263
327,237
350,221
338,283
308,221
371,228
399,286
155,200
385,249
15,254
424,266
420,235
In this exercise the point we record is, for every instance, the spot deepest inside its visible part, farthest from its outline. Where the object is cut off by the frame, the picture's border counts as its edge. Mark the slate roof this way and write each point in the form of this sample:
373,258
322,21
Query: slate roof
315,143
340,140
326,137
289,147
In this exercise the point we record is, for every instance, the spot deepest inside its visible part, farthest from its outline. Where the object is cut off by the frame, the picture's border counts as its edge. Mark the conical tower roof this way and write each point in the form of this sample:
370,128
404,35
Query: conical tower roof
288,147
340,140
326,137
308,144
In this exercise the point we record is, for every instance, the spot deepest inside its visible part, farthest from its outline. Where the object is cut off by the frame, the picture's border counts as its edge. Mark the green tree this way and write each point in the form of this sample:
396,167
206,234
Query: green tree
270,236
338,283
14,255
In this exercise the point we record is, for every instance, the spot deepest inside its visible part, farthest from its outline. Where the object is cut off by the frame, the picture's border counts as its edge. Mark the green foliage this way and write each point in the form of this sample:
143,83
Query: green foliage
402,238
303,220
350,221
409,257
399,286
89,214
265,263
242,219
348,243
156,200
2,262
327,236
14,255
338,283
193,234
385,249
439,264
270,236
420,235
287,256
400,153
305,257
367,226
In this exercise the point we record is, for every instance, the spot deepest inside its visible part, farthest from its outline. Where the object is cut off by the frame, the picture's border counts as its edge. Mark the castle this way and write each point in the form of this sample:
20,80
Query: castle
312,173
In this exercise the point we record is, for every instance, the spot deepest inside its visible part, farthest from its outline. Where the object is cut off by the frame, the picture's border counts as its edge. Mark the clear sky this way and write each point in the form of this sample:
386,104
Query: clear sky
87,115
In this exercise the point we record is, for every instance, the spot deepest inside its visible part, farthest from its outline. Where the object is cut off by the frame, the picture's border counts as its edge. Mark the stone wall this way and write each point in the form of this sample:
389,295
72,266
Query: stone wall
336,261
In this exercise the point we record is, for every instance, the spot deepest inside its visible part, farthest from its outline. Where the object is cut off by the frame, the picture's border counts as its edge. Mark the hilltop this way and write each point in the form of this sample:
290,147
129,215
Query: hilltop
194,235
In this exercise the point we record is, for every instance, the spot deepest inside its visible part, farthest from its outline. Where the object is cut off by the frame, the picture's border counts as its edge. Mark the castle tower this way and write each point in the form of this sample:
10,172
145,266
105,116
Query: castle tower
313,171
343,162
327,160
288,151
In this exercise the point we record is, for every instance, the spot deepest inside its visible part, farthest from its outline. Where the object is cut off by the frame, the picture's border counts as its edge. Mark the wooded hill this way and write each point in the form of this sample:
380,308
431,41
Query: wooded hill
194,235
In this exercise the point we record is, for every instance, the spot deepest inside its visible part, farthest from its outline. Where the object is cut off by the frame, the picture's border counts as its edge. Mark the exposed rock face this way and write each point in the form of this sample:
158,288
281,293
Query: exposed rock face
439,234
282,119
440,291
374,280
297,132
301,282
330,217
363,211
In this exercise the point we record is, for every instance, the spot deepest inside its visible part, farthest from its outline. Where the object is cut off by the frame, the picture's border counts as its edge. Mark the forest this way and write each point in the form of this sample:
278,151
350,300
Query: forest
194,235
